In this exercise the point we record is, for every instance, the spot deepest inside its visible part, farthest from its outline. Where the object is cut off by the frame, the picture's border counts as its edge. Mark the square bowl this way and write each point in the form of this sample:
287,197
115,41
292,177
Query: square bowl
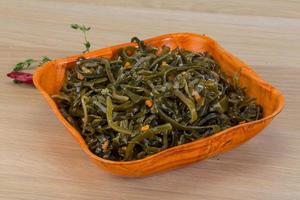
49,78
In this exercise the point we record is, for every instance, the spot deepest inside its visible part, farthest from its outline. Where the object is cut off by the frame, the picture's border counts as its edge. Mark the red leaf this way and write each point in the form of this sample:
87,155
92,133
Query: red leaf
22,77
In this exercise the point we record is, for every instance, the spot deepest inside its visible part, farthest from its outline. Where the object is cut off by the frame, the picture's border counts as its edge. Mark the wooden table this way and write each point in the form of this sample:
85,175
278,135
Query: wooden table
40,160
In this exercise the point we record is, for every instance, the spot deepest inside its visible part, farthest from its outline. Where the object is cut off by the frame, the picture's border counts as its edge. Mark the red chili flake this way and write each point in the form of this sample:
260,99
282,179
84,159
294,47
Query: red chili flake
21,77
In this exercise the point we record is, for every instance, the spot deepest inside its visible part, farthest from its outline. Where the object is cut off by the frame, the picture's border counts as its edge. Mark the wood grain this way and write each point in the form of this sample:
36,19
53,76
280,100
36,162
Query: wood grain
39,160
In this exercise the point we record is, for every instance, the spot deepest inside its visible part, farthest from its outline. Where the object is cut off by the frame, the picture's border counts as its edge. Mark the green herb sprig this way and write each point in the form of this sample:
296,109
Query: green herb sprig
24,65
18,76
29,63
84,29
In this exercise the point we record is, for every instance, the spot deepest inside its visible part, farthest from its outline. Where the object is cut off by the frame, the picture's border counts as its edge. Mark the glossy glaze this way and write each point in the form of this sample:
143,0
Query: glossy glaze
49,79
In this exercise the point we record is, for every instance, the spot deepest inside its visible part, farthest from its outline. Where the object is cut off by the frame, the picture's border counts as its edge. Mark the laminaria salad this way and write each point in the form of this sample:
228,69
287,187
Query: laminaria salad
147,99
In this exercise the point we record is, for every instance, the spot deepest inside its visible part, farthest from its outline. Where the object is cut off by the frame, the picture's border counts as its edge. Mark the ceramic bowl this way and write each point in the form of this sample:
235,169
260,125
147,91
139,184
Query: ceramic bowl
49,78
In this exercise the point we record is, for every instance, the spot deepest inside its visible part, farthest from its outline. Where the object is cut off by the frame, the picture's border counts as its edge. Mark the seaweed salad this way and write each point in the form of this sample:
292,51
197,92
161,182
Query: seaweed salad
147,99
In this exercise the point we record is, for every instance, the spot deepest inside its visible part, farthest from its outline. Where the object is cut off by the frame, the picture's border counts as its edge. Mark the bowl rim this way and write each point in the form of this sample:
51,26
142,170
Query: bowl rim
79,138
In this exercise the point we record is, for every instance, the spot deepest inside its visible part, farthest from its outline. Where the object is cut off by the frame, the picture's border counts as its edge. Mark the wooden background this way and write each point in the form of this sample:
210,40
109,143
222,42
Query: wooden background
40,160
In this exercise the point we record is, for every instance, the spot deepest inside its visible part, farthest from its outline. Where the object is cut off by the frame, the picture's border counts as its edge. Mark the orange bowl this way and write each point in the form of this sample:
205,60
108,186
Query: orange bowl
49,78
